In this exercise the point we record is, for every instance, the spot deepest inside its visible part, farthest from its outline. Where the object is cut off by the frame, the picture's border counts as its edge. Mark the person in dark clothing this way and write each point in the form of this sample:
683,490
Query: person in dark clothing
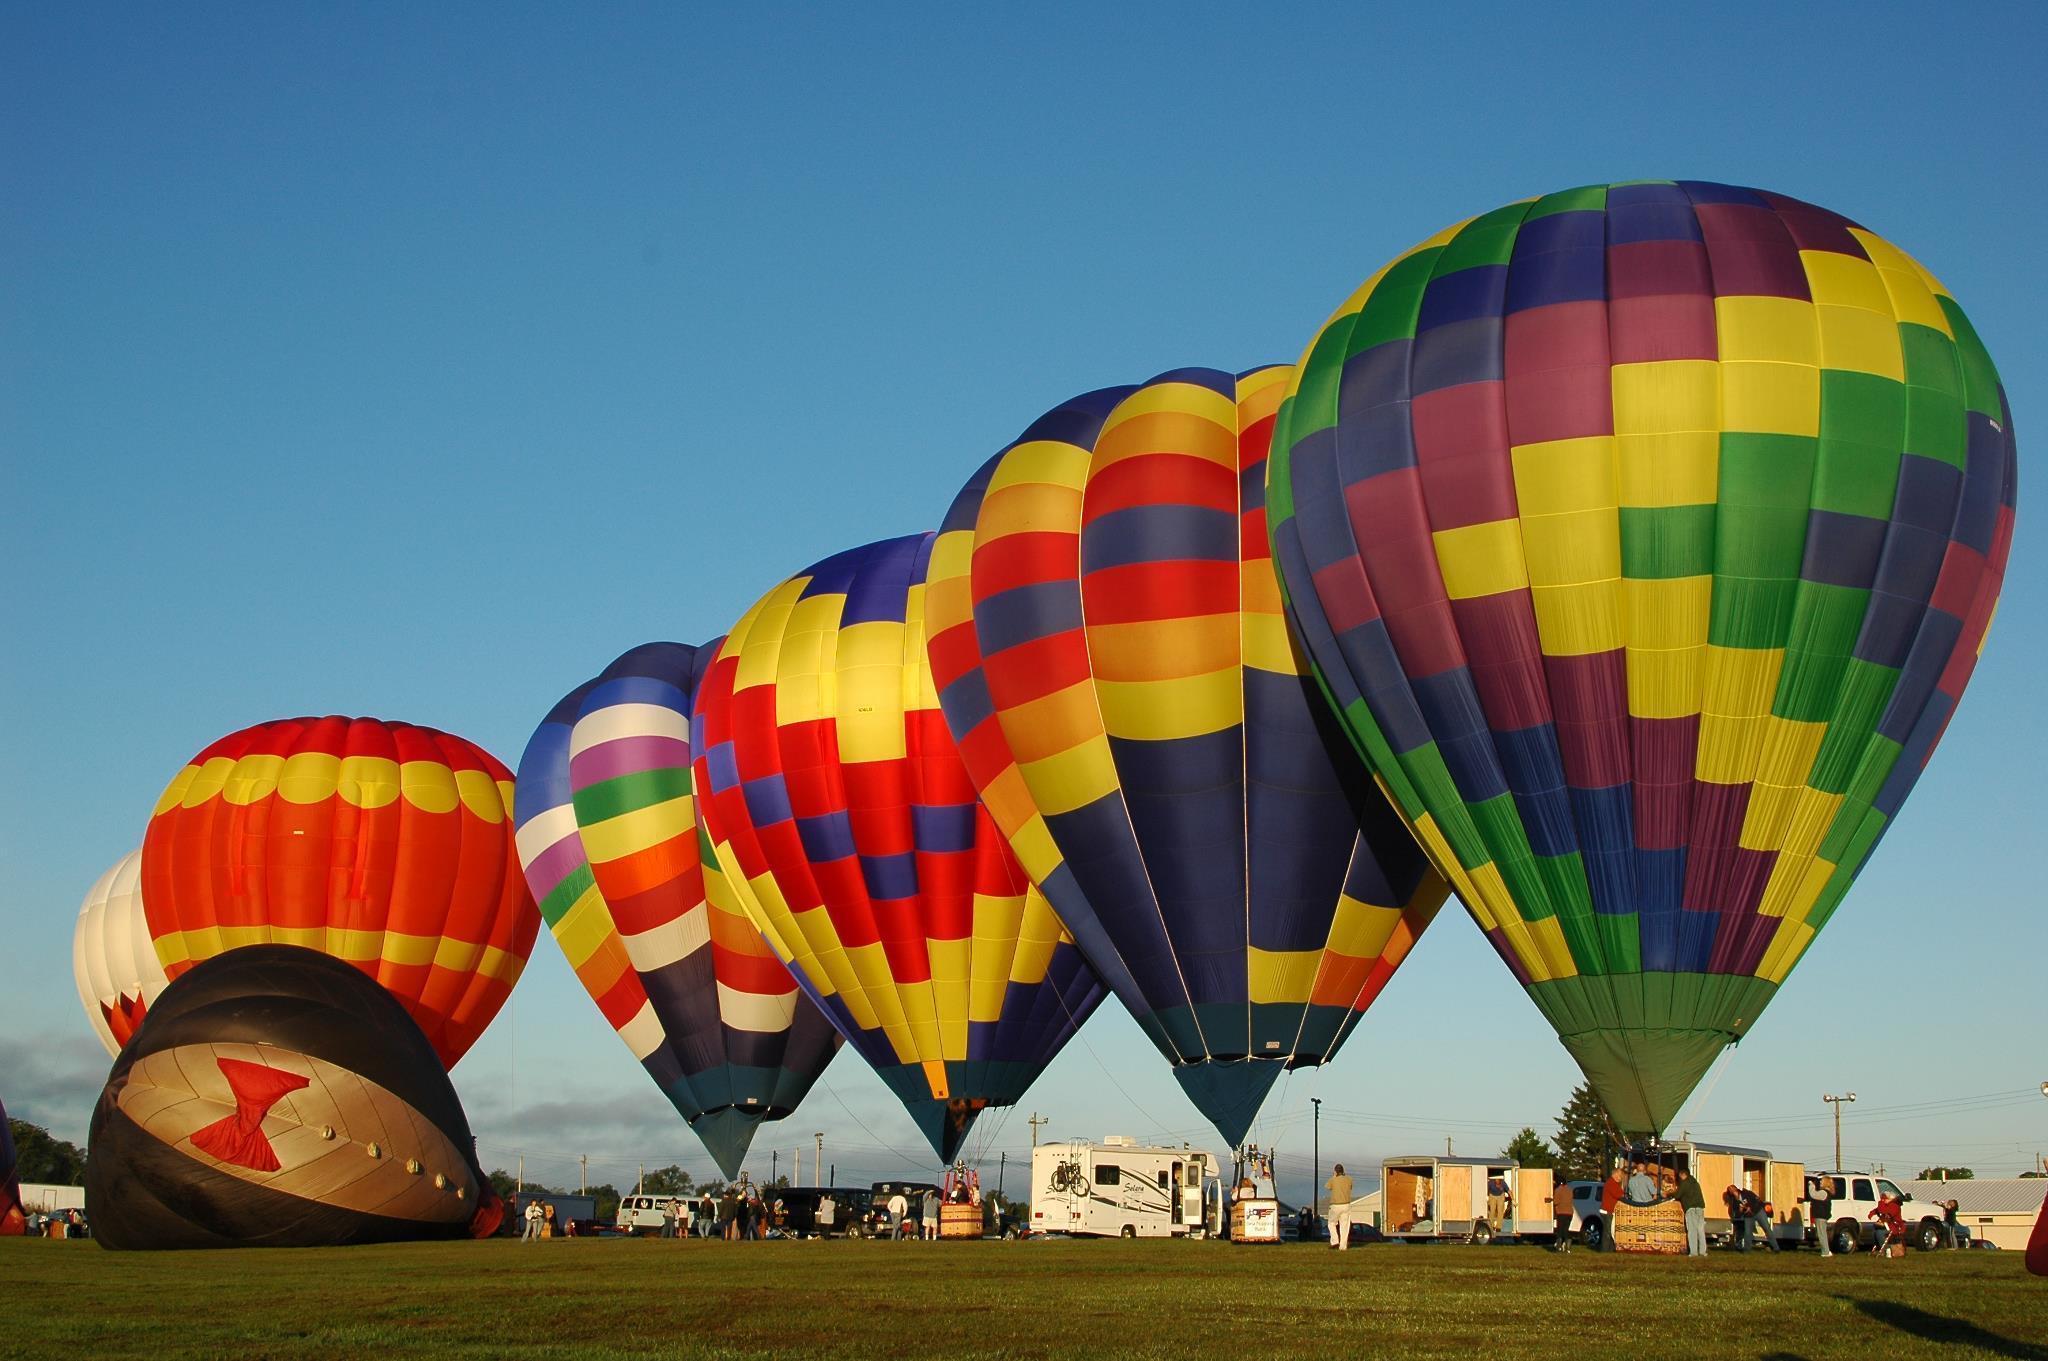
1757,1216
1695,1202
729,1215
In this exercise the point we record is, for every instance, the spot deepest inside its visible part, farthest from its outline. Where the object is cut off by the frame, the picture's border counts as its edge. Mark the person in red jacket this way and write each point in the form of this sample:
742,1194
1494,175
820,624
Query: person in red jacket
1890,1223
1610,1196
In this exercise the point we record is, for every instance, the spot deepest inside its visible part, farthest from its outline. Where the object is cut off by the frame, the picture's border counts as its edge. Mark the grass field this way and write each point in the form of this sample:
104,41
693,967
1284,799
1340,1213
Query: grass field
956,1300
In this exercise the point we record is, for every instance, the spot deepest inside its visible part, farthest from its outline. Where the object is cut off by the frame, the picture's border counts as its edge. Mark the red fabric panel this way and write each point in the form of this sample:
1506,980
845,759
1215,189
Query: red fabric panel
1498,633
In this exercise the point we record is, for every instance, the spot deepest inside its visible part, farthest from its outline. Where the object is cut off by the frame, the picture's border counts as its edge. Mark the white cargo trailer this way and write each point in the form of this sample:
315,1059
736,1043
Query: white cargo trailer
1121,1188
1443,1197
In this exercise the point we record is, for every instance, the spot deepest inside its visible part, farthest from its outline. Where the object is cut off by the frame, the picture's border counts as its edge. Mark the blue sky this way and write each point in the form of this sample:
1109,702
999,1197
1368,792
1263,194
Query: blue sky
416,360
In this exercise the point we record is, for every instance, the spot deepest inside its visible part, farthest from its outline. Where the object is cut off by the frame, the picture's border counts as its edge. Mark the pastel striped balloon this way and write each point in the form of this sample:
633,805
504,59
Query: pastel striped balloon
382,844
838,802
1645,535
112,959
612,848
1111,655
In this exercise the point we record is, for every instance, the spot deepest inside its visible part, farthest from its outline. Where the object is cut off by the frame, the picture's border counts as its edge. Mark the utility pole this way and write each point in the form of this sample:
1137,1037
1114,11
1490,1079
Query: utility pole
796,1166
1315,1179
1035,1121
583,1176
640,1187
1447,1147
834,1179
520,1176
818,1160
1002,1164
1836,1102
774,1157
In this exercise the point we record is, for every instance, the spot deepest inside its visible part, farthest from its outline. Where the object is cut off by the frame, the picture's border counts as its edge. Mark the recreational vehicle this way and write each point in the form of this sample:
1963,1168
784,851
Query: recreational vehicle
1429,1198
1121,1188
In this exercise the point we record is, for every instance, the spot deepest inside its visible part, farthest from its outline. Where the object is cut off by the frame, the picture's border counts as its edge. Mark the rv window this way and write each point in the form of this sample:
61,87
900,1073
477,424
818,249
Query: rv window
1106,1174
1162,1176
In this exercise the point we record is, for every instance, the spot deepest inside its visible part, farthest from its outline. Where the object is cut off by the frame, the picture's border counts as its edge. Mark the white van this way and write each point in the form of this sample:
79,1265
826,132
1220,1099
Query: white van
644,1215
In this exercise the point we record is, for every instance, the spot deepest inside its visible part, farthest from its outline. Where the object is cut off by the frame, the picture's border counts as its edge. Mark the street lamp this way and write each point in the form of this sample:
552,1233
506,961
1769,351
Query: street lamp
1315,1180
1836,1102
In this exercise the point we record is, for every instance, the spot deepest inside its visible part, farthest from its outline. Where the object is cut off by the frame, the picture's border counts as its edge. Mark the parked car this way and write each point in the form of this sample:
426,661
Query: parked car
1586,1221
873,1220
1856,1196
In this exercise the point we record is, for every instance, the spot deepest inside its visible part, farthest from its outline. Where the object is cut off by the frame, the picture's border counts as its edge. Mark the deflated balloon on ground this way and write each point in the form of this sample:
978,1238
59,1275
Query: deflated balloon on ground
276,1097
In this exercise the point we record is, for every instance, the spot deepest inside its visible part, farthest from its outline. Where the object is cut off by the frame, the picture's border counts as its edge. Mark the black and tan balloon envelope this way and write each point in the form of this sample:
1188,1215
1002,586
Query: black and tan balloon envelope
277,1097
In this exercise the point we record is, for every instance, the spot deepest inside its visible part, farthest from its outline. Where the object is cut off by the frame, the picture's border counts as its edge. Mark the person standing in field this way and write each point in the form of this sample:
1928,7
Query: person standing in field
1610,1196
1496,1202
899,1210
929,1215
1820,1199
1641,1190
1562,1210
1695,1202
1341,1196
534,1217
824,1217
729,1215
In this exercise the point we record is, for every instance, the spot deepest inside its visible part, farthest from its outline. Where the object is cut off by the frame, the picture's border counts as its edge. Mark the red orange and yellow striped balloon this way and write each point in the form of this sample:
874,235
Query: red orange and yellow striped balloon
382,844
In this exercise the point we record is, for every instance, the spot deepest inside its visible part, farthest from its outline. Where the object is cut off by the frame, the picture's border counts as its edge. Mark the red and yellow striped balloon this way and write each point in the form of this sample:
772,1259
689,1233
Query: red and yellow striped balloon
382,844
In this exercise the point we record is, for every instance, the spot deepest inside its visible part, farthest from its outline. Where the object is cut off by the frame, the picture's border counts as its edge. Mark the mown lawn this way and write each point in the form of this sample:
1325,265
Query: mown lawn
869,1300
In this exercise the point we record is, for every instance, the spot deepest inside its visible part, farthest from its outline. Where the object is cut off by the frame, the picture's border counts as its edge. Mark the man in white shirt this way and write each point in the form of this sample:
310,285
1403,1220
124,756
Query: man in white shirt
899,1209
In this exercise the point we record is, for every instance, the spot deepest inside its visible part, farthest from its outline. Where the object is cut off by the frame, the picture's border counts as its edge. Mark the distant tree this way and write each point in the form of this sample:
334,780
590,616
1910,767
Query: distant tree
666,1181
607,1198
503,1183
1584,1136
41,1156
1528,1149
712,1188
2031,1173
1946,1174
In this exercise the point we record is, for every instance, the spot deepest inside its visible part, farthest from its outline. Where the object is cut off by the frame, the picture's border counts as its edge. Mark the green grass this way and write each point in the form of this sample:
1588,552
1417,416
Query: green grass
867,1300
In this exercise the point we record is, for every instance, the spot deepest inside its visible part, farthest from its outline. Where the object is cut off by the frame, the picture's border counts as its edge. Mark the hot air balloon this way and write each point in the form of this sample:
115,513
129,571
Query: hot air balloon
112,959
13,1223
276,1097
383,844
838,805
1110,653
1645,536
609,838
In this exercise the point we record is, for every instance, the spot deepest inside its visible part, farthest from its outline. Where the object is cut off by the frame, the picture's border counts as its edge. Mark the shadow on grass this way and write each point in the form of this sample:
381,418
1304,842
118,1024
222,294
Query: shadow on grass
1941,1328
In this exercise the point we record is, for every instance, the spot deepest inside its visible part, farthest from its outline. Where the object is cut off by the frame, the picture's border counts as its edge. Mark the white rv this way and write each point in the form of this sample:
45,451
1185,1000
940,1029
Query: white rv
1121,1188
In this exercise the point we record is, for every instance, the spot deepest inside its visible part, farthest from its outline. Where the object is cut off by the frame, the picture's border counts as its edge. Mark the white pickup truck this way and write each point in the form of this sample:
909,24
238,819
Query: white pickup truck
1856,1193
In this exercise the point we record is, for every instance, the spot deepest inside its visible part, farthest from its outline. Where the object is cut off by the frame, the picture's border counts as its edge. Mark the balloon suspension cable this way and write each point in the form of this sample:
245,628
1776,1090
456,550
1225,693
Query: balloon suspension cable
1699,1103
880,1142
1166,1135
